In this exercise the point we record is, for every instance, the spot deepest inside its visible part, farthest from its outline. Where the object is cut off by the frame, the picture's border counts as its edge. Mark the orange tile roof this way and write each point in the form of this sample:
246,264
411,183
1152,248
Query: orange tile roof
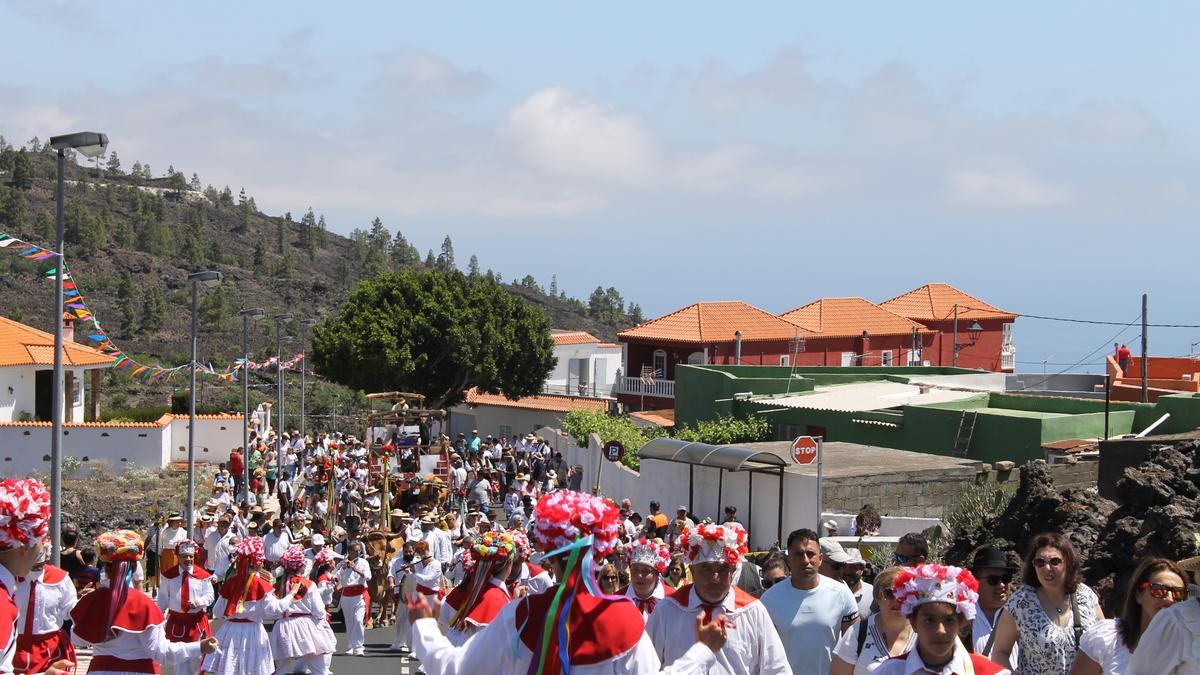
709,322
935,302
609,345
661,418
573,337
849,317
22,345
547,402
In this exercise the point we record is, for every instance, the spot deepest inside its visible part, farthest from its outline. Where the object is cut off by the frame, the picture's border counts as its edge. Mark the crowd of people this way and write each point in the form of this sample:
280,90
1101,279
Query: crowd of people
498,566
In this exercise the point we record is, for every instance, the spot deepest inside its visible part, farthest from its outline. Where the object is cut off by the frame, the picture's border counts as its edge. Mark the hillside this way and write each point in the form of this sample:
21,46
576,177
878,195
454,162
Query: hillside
132,240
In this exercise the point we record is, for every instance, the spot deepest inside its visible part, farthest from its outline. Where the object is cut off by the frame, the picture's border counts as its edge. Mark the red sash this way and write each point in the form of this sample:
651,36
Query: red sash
104,662
187,627
35,653
8,618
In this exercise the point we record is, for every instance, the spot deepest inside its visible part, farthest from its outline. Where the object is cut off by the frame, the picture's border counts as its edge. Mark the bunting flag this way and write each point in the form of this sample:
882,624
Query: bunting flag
75,305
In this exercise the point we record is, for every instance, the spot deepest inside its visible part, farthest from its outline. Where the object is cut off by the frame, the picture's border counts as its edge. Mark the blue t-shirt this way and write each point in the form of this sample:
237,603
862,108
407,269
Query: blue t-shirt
810,622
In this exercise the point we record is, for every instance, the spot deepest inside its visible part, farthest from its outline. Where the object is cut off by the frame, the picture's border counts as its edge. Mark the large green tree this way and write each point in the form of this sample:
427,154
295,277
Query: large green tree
435,333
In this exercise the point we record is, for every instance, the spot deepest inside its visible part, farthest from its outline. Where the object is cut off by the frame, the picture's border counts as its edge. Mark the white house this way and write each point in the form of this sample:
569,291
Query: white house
586,366
27,372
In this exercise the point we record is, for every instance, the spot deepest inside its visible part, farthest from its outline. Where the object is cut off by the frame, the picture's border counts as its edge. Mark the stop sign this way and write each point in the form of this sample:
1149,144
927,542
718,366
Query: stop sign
804,450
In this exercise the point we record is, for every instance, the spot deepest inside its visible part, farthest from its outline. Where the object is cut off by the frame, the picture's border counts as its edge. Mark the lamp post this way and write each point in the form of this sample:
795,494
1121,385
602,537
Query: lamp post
209,278
279,319
305,324
247,314
89,144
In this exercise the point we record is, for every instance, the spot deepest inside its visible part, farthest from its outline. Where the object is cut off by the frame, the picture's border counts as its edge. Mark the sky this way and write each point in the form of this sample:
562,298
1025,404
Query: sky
1041,156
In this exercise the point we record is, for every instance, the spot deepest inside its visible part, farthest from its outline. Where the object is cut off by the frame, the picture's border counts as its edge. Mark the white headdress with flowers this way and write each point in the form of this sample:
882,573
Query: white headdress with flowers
708,542
956,586
650,553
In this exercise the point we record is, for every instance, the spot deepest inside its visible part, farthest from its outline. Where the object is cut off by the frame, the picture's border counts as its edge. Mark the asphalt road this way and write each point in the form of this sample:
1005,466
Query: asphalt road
377,659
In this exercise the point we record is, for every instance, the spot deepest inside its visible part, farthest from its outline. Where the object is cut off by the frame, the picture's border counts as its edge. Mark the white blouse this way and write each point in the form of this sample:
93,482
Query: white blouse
1103,644
874,650
1171,644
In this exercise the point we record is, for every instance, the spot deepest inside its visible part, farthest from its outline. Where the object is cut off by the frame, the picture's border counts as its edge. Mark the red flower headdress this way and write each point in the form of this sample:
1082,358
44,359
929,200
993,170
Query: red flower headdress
252,550
24,512
708,542
563,517
293,559
650,553
936,583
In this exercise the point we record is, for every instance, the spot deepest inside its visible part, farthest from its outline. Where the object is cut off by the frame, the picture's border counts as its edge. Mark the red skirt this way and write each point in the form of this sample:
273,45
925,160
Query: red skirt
35,653
189,627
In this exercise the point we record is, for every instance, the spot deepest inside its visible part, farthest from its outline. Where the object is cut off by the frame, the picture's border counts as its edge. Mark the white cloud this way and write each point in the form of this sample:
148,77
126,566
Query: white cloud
409,72
1003,189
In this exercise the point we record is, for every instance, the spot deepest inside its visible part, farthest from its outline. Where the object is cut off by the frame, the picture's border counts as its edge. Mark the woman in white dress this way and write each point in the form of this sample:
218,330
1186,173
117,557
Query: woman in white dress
427,572
245,602
883,635
298,635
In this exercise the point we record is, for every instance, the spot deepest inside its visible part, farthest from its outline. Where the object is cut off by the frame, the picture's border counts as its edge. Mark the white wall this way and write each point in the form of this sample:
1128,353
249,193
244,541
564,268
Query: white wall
25,448
22,380
214,438
603,363
489,418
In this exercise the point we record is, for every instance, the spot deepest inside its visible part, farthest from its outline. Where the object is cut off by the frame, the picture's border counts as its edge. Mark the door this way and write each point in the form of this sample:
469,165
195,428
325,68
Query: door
660,364
43,394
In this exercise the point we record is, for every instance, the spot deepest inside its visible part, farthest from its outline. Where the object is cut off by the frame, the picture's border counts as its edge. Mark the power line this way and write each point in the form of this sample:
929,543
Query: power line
1069,320
1103,345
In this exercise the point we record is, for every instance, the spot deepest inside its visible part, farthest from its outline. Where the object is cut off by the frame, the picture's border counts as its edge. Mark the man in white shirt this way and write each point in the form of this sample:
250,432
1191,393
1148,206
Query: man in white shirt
752,645
811,610
353,574
852,574
401,584
186,594
42,640
440,546
276,543
212,544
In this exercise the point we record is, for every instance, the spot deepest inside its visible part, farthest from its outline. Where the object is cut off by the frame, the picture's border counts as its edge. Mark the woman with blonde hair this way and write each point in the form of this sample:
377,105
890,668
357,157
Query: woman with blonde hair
877,638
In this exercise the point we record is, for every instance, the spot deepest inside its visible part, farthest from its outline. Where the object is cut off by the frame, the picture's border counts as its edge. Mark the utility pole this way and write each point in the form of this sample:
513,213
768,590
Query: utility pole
954,361
1145,359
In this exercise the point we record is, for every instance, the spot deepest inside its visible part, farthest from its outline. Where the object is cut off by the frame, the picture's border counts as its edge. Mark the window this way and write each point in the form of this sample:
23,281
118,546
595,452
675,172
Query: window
660,363
914,358
785,360
1007,329
847,359
885,358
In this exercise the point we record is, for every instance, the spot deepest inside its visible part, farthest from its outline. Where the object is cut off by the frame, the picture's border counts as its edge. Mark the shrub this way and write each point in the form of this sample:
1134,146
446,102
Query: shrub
975,504
727,430
582,423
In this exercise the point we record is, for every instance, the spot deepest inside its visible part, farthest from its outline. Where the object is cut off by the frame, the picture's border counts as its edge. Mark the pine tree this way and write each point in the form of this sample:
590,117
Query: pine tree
445,260
125,304
260,255
146,173
14,210
404,254
154,310
321,231
192,251
74,215
635,313
597,307
114,164
430,261
226,197
136,171
22,173
554,285
281,228
194,184
308,233
473,267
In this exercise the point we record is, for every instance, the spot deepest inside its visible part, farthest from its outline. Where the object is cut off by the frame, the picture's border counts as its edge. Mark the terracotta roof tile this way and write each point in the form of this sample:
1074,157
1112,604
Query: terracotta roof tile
709,322
849,317
22,345
935,302
573,337
547,402
661,418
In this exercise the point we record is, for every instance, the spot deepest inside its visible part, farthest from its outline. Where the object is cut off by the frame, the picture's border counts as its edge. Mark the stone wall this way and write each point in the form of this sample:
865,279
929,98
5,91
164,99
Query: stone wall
917,494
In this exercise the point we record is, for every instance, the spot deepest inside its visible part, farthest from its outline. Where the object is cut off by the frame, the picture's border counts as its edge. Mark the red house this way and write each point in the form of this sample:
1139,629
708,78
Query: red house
978,334
857,332
706,332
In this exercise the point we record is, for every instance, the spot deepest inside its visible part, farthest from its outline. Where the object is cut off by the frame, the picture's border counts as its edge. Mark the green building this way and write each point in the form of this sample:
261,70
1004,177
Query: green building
946,411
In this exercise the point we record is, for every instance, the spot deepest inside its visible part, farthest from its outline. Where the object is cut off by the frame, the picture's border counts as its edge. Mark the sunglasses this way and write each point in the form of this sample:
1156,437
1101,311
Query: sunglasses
1043,562
610,577
901,559
767,583
1161,591
998,579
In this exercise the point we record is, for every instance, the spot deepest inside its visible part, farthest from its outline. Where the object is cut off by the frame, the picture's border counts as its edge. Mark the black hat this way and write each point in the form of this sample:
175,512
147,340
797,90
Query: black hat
990,556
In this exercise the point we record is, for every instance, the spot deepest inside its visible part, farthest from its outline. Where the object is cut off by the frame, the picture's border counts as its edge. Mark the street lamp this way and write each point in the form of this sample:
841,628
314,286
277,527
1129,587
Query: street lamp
279,428
305,324
247,314
209,278
89,144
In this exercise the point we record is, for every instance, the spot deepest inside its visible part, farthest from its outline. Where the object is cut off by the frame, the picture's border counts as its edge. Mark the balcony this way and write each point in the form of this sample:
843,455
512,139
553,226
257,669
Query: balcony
636,386
1008,358
586,390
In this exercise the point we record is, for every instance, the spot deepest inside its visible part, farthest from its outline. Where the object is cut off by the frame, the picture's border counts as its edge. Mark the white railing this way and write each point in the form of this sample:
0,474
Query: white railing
636,385
1008,359
586,391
